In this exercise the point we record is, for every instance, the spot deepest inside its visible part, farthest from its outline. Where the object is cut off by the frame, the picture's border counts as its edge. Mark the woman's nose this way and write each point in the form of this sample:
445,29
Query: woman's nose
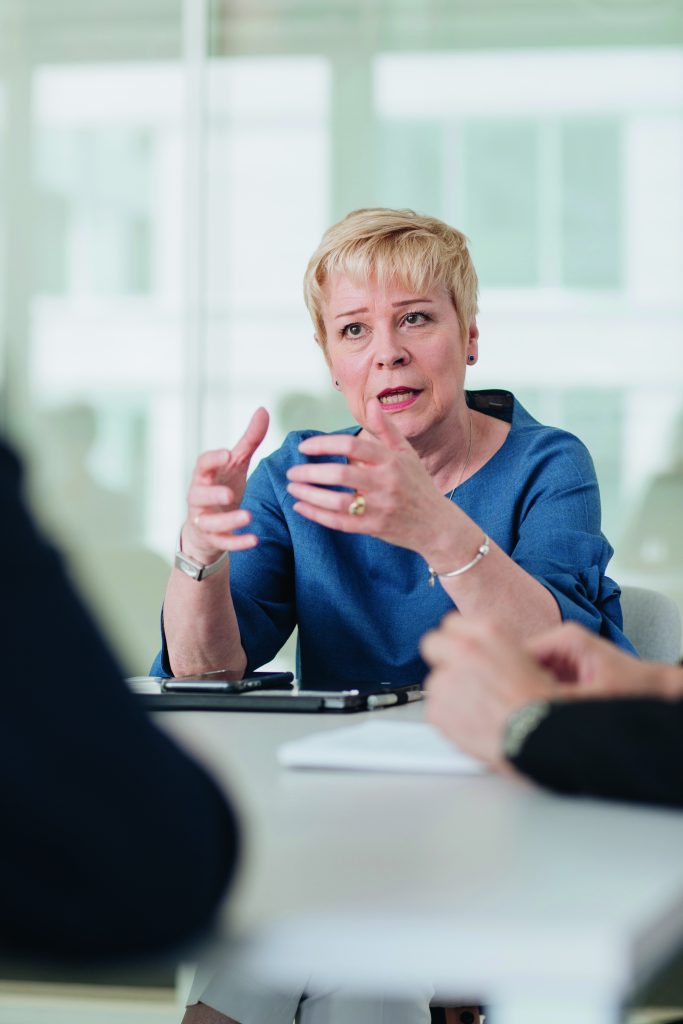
390,350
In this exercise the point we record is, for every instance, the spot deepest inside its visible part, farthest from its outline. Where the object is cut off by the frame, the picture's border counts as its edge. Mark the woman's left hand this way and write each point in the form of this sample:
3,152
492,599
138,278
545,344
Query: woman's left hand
402,504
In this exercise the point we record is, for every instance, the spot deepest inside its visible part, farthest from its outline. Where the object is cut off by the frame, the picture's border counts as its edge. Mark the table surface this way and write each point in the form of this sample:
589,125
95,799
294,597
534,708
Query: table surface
483,885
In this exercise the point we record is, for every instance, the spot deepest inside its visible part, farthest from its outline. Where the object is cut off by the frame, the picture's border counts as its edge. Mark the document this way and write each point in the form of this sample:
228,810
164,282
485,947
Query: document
382,747
145,684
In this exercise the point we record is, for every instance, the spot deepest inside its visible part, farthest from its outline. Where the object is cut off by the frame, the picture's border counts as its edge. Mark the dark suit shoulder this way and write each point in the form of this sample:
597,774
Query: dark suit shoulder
91,788
627,749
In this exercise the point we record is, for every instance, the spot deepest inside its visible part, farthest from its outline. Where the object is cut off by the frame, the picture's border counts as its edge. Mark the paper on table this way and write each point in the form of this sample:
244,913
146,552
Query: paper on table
145,684
379,746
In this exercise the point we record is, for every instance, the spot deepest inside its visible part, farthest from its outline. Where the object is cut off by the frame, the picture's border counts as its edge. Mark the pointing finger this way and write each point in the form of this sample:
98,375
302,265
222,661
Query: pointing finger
252,437
380,424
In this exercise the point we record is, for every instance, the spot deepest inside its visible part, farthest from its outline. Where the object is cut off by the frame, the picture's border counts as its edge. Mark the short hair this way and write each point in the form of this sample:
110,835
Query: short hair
393,245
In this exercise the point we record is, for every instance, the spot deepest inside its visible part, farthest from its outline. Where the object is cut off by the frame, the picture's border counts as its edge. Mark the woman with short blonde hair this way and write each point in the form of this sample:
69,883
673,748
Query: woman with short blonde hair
436,498
393,245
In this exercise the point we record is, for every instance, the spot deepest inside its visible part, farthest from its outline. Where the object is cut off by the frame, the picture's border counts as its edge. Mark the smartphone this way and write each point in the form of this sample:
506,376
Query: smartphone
225,682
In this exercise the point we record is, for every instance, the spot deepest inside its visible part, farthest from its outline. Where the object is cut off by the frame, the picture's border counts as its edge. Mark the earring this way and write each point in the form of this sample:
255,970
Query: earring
470,359
337,385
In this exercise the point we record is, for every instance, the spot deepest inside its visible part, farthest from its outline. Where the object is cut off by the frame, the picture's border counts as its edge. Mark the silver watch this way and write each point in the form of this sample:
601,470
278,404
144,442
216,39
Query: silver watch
521,724
195,570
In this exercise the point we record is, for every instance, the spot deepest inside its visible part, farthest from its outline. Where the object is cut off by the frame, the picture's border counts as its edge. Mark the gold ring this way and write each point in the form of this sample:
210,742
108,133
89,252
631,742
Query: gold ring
357,506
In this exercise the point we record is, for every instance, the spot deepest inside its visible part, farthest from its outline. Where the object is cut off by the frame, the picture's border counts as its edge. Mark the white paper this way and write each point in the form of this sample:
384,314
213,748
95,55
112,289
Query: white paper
381,747
145,684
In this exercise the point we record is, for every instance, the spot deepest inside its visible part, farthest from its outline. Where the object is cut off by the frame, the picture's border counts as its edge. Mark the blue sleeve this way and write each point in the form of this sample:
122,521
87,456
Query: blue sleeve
161,666
560,542
261,579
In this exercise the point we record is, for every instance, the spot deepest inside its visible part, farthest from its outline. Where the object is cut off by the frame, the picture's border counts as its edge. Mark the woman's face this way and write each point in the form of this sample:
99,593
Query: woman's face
403,350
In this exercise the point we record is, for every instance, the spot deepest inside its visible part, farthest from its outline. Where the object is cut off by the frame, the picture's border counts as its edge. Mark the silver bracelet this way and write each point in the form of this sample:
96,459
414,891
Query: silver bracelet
482,551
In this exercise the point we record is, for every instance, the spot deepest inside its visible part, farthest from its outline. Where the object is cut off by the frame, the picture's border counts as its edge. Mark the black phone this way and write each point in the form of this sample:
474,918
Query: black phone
225,682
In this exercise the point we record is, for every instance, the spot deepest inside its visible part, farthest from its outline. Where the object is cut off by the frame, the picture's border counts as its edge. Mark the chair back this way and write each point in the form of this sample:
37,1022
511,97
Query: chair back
652,622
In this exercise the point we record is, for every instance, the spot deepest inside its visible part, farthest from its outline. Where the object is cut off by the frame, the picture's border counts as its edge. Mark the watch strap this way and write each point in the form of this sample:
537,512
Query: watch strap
195,570
521,724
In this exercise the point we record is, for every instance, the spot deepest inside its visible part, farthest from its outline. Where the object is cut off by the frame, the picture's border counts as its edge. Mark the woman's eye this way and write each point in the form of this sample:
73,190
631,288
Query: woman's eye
353,330
416,318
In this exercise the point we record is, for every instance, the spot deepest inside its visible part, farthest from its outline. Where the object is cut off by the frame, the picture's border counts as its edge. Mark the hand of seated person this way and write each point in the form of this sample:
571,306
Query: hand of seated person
401,503
215,494
479,677
596,668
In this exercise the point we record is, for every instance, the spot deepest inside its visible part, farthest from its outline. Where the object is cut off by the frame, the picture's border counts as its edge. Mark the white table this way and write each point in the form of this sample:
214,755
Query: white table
550,910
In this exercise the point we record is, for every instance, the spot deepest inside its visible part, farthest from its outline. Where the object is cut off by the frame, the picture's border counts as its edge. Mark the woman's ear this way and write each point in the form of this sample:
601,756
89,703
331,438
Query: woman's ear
333,378
473,344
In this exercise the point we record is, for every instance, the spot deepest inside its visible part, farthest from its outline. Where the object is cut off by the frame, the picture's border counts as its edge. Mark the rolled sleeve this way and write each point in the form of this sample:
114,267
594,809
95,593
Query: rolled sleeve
560,542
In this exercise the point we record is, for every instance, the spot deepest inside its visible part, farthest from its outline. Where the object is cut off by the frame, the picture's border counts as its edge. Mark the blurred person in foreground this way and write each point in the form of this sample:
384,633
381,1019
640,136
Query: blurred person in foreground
114,842
566,709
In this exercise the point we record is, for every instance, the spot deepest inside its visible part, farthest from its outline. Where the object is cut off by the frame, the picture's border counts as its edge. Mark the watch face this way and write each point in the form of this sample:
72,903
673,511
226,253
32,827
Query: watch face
186,565
194,570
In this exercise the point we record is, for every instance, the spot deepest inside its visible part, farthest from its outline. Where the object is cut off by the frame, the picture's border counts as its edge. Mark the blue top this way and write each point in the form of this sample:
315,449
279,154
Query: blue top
362,604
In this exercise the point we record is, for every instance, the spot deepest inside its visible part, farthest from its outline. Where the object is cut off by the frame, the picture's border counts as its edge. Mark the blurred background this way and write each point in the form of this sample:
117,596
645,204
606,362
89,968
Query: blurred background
167,167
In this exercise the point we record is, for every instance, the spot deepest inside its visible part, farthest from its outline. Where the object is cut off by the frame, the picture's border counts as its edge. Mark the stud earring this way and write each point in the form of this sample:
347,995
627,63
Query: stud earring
470,359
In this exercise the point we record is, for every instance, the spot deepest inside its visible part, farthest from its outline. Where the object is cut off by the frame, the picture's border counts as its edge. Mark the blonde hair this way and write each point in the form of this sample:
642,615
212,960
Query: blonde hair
393,245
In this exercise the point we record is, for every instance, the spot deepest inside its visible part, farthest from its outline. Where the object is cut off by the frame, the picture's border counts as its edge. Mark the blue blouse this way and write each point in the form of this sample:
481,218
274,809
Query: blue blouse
362,604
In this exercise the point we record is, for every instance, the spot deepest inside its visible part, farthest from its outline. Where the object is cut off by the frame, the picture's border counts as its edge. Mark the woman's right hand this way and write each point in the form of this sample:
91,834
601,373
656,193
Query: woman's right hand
215,494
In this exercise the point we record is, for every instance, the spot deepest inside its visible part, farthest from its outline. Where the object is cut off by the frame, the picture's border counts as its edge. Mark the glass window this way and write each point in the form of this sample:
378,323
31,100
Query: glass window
268,187
411,162
499,200
562,164
103,357
592,203
3,236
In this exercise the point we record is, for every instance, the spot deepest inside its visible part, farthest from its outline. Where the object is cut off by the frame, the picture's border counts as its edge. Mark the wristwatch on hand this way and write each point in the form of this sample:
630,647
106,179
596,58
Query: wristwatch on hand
195,570
521,724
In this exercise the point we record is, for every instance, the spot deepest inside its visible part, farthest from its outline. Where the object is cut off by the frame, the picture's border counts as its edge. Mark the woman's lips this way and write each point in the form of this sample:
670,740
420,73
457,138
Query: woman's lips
398,398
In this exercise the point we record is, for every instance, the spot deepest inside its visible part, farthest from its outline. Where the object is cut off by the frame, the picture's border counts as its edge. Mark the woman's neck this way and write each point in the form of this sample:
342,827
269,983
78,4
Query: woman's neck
448,454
